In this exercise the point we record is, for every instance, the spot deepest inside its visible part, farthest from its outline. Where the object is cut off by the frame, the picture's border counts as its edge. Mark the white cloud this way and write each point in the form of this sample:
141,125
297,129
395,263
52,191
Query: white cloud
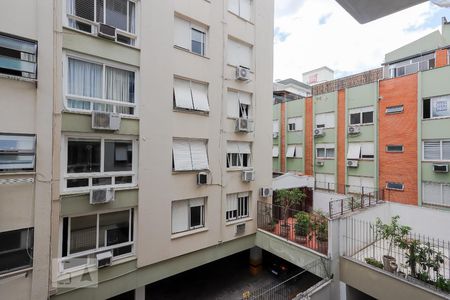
341,43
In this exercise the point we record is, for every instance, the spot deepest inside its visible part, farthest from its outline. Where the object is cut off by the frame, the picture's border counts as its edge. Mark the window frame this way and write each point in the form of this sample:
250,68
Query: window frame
395,183
393,68
238,14
361,111
193,110
394,145
240,104
240,158
295,154
19,153
395,109
193,26
91,176
105,63
188,140
189,220
29,248
431,101
441,151
30,58
324,125
442,199
294,121
134,37
245,207
131,232
327,148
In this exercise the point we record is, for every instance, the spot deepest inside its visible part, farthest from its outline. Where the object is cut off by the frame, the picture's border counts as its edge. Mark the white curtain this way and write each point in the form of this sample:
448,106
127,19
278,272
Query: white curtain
132,19
85,79
120,87
71,7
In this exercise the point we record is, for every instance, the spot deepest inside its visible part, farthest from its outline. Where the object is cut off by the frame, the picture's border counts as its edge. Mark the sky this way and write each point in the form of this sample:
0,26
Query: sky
309,34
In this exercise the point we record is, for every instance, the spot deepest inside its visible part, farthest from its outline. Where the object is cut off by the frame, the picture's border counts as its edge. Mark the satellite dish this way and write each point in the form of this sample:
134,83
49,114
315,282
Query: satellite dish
441,3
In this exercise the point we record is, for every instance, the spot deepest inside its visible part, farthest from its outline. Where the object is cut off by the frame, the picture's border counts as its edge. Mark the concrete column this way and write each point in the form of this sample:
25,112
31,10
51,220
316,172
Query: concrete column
282,152
139,293
256,260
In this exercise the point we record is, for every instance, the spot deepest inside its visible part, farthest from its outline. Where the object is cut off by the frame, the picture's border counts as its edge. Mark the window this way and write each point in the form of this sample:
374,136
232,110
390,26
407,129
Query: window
239,104
325,181
190,36
294,151
361,116
238,155
189,155
17,152
237,206
275,151
358,185
96,86
324,151
394,148
190,95
17,57
361,151
188,215
239,54
421,63
394,109
295,124
326,120
275,126
437,107
437,150
121,14
242,8
436,193
99,162
84,236
16,250
395,186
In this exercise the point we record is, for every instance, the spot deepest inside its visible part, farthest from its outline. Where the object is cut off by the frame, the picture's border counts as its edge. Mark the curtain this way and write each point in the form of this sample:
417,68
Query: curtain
132,18
120,87
85,79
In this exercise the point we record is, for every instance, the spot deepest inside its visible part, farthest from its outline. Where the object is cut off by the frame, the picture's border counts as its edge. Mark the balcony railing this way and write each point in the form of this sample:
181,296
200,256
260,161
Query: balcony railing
283,222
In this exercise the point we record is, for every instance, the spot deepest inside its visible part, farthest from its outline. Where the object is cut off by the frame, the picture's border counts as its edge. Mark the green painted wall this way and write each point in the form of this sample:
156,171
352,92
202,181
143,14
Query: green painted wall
436,129
429,175
84,43
74,122
328,138
295,108
79,204
365,168
275,164
325,103
367,135
435,82
294,137
295,164
362,96
276,111
125,277
329,166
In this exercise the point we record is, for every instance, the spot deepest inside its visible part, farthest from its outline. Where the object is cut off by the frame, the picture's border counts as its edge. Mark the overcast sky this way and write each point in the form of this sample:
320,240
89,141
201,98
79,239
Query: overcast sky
315,33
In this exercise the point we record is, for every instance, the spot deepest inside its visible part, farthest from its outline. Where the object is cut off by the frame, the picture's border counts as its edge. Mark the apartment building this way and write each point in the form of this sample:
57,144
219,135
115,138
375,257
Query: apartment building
385,130
137,142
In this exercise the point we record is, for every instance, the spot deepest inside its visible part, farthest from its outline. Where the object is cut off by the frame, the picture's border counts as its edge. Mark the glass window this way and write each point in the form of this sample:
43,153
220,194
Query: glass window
83,156
394,148
330,153
198,42
17,152
16,250
114,228
395,186
188,214
321,152
426,108
83,233
440,107
367,117
118,156
17,57
355,119
237,206
394,109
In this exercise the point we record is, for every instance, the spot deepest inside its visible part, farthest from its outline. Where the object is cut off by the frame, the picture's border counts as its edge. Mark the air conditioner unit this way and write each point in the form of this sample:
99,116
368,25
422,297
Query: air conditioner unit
440,168
105,120
248,175
265,192
244,125
352,163
242,73
106,31
104,259
101,196
354,130
275,135
319,132
202,178
320,163
240,229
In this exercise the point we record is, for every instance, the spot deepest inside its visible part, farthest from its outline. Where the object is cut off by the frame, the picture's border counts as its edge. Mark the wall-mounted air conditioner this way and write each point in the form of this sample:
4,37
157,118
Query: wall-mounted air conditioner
320,163
248,175
275,135
106,31
440,168
319,132
104,259
352,163
240,229
105,120
202,178
244,125
265,192
101,196
242,73
354,130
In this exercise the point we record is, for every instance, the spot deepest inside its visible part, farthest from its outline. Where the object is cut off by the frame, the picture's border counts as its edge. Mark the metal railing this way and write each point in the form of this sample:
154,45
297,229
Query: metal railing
282,222
420,259
290,288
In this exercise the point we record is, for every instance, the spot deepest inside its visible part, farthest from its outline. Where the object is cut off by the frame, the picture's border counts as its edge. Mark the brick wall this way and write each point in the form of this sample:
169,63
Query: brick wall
341,133
308,147
399,129
441,58
283,130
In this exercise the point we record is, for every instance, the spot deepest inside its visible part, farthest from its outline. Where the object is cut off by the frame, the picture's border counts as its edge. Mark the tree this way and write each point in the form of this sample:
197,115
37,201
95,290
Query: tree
288,199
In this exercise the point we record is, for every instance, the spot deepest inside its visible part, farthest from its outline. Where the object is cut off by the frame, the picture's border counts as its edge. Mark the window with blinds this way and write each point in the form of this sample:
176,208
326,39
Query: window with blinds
361,116
17,152
239,54
189,155
275,126
188,215
294,151
361,150
436,150
190,95
325,120
242,8
358,184
237,206
18,57
239,104
435,193
275,151
190,36
295,124
238,154
325,181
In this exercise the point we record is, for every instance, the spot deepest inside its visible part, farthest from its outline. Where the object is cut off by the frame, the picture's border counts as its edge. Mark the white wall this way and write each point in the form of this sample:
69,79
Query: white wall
322,199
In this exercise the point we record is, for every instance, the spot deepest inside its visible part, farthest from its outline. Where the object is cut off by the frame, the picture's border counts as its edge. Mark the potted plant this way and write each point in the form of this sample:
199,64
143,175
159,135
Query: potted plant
302,226
287,199
395,234
320,229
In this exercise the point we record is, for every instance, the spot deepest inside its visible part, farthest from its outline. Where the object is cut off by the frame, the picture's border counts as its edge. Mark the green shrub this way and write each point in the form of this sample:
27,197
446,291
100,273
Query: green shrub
374,262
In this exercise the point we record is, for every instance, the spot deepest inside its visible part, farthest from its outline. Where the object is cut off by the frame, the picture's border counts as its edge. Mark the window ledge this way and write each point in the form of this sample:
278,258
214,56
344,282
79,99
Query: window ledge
191,111
238,169
84,192
238,221
188,233
19,173
89,113
239,17
18,78
16,272
189,172
129,257
189,51
434,119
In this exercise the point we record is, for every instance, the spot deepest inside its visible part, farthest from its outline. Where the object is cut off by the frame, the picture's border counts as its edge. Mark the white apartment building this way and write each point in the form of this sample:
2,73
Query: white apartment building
134,140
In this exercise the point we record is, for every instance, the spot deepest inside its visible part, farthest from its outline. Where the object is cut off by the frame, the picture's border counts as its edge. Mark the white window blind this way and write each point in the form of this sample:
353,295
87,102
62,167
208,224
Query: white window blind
275,151
235,99
191,95
354,151
200,96
445,150
239,54
294,151
180,216
190,155
246,9
325,120
290,151
367,150
440,107
432,193
183,97
446,194
432,150
297,123
182,34
324,181
298,151
275,126
233,6
358,184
